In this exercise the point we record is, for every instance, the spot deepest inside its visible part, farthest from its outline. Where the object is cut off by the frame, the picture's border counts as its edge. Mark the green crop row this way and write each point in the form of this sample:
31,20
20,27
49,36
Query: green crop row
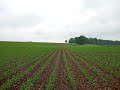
30,82
82,70
22,64
69,73
8,83
95,68
88,65
105,57
14,56
53,74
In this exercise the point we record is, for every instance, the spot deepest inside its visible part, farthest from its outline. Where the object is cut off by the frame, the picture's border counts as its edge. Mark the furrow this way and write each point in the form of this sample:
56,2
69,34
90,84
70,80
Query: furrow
111,80
41,82
14,79
81,81
17,85
101,81
61,82
2,81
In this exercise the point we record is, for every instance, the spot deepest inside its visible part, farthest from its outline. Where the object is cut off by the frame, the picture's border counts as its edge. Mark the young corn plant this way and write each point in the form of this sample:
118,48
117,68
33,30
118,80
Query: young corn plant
19,76
69,74
30,82
83,71
53,75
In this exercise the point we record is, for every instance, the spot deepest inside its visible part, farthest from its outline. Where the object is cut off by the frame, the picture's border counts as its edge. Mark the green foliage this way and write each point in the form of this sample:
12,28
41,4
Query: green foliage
105,57
53,75
72,40
20,75
29,83
83,71
83,40
65,41
14,55
69,74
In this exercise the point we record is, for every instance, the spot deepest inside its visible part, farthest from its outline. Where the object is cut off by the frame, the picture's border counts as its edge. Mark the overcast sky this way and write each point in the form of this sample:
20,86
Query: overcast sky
58,20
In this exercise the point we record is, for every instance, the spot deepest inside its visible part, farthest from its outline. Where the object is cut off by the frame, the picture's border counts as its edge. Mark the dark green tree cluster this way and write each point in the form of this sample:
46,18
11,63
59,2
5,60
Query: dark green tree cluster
84,40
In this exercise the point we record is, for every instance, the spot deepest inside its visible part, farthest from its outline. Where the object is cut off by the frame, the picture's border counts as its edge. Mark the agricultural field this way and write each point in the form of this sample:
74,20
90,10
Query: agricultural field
52,66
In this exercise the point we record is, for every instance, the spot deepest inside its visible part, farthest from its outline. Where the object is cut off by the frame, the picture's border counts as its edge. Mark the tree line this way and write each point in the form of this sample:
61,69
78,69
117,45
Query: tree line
84,40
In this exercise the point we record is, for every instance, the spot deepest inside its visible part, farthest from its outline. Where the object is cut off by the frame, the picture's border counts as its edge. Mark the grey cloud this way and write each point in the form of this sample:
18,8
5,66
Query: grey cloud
106,10
111,35
102,31
92,4
50,36
106,23
26,20
16,21
106,18
3,7
97,4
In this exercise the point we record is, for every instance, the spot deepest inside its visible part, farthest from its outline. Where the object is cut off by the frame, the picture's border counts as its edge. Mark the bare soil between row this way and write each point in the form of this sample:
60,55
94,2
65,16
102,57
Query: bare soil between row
62,81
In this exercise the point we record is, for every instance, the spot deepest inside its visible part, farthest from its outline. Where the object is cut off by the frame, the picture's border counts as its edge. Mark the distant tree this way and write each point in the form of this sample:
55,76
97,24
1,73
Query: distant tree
81,40
77,40
72,40
65,41
84,40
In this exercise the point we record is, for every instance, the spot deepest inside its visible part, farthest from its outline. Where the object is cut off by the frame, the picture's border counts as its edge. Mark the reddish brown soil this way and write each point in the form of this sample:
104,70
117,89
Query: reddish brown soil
101,83
41,83
92,63
61,82
17,85
97,67
114,83
81,82
2,81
